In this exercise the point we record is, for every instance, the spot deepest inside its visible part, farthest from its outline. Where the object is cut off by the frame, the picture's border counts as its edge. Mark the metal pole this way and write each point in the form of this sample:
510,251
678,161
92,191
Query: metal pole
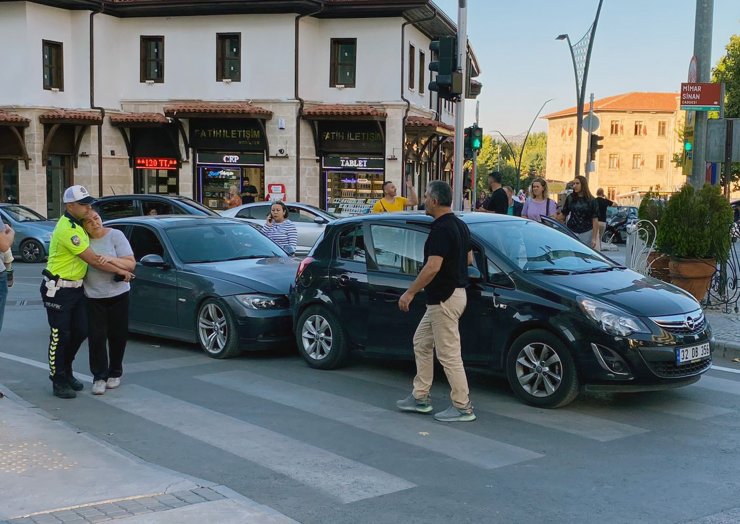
474,182
703,53
585,73
524,144
590,133
462,53
579,108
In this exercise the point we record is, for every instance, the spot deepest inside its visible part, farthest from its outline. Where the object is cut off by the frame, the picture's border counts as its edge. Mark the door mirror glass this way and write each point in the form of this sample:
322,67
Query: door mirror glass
320,220
153,261
474,275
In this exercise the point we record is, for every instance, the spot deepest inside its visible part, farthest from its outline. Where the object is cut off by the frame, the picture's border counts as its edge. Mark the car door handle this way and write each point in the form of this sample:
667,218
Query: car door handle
343,280
389,295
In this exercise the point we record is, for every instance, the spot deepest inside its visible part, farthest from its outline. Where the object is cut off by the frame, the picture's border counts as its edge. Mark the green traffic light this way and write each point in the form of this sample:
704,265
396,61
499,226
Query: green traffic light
476,143
688,146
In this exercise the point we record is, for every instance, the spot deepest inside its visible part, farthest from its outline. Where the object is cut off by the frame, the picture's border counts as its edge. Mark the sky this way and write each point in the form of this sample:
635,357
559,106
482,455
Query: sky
640,45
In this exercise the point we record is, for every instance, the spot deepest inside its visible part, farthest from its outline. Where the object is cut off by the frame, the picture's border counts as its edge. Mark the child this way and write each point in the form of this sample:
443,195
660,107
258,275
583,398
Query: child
7,258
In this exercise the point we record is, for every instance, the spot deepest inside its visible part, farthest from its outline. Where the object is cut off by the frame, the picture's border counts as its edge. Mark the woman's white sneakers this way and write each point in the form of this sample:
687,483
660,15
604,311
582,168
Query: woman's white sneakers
113,382
98,387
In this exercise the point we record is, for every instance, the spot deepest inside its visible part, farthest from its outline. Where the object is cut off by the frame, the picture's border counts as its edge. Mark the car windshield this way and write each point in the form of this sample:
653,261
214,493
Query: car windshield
321,211
221,242
22,214
537,248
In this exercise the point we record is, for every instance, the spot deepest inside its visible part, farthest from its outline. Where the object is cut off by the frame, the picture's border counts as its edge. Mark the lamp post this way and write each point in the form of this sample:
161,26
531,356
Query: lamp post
580,53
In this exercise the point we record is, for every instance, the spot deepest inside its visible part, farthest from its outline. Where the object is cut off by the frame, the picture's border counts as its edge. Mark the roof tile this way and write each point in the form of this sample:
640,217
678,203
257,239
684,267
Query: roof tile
348,111
70,116
13,120
223,109
634,101
420,121
128,119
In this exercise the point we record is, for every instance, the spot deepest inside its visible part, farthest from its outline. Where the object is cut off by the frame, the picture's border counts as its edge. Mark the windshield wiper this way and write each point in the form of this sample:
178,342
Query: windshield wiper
550,271
599,269
247,257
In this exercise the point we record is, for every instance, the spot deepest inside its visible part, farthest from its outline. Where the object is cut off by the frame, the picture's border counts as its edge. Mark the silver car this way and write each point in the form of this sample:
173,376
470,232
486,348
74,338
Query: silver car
310,221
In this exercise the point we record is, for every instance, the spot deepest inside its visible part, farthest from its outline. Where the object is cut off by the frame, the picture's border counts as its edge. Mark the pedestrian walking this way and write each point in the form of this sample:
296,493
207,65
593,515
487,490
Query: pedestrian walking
539,204
582,213
7,236
391,202
280,229
603,203
444,275
107,304
61,289
498,202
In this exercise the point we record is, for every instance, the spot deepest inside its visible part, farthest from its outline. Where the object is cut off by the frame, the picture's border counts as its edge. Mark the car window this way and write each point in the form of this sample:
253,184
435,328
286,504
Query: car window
398,248
254,212
120,208
145,242
221,242
188,206
154,207
300,215
352,245
22,214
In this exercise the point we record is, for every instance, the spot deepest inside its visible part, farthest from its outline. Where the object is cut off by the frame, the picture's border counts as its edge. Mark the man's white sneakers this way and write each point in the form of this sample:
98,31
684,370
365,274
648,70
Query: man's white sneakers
113,382
98,387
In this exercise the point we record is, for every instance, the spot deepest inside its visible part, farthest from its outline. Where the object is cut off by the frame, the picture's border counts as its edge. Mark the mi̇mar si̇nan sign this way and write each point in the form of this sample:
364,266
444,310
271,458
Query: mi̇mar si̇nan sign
700,96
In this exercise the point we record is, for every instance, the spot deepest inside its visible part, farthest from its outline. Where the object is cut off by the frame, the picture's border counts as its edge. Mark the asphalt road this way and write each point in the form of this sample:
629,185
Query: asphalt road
329,447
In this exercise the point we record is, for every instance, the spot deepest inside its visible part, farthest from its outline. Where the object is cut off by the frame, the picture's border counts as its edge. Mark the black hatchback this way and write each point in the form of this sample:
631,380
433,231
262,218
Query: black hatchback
551,314
126,206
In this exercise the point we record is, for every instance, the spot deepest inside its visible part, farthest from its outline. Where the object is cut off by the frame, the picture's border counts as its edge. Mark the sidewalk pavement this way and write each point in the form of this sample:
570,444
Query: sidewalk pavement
726,329
53,473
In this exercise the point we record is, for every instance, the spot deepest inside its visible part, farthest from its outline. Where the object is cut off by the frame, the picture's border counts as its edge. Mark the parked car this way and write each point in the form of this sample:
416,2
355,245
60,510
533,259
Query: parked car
310,221
550,313
122,206
214,281
32,232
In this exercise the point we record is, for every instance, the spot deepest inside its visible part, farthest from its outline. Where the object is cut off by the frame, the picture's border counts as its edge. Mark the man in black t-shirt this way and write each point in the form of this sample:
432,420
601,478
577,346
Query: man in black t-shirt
498,202
447,254
249,192
603,203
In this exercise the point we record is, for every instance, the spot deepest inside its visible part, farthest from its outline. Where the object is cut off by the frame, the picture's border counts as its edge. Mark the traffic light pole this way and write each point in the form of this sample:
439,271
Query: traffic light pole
589,153
462,53
474,181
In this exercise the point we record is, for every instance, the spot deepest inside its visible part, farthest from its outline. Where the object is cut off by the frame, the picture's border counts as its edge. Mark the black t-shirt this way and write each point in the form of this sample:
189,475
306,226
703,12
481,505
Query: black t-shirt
449,238
603,204
249,194
498,202
582,211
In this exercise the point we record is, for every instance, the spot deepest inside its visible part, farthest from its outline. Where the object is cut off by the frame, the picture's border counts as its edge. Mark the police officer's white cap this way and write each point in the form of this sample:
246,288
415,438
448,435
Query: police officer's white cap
77,194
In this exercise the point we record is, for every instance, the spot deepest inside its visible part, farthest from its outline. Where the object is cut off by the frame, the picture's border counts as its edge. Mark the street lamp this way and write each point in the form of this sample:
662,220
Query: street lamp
580,53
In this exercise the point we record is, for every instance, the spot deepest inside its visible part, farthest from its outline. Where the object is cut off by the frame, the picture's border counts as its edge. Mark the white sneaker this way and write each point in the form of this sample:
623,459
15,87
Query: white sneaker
98,387
113,382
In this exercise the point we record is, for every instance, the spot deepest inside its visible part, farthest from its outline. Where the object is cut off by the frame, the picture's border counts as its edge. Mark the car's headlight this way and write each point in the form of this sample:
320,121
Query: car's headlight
611,319
254,301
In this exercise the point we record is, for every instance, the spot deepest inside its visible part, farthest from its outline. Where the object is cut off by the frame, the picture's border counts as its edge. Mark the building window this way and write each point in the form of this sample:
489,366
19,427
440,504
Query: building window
422,69
614,127
228,57
343,62
636,161
611,193
661,128
152,59
412,65
660,162
614,161
53,65
638,127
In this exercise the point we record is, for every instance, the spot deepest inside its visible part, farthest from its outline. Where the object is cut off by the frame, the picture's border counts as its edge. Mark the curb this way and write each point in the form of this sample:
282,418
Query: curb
729,349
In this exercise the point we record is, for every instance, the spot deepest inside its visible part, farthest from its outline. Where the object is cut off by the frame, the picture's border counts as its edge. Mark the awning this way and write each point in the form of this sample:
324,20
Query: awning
79,119
130,121
14,126
137,119
429,125
343,112
217,109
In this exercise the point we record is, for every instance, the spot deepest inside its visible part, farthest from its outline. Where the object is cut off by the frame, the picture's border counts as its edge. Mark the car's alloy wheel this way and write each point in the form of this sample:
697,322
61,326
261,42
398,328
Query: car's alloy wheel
32,251
541,371
216,330
321,340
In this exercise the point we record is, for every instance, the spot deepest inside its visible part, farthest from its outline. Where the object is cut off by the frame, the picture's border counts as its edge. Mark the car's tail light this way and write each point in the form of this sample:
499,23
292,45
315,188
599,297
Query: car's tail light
302,266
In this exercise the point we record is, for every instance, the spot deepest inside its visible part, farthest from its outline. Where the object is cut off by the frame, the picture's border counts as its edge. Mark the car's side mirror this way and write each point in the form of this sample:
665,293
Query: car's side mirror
290,250
474,275
153,261
320,220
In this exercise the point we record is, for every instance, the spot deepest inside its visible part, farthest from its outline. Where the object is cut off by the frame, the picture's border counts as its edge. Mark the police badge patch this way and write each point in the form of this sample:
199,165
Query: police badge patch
76,240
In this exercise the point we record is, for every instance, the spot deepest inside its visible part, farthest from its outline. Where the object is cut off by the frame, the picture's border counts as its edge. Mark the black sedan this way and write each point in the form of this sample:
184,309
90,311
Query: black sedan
551,314
215,281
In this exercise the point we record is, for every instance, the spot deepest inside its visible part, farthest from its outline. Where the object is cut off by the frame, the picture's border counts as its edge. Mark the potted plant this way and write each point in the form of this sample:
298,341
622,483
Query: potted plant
651,209
694,231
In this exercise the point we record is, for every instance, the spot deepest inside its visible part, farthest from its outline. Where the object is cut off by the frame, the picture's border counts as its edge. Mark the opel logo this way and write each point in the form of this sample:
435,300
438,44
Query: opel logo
690,323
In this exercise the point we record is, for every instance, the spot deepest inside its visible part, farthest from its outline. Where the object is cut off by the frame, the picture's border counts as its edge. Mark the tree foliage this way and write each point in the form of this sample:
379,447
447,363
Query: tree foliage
728,71
496,155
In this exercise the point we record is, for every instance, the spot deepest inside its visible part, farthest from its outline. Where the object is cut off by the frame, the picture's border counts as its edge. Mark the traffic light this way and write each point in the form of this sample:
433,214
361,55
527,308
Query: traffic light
467,142
688,145
476,140
448,82
595,146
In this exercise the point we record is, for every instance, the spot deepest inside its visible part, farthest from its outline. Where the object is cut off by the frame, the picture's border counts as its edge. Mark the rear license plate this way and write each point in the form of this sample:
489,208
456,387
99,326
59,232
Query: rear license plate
692,353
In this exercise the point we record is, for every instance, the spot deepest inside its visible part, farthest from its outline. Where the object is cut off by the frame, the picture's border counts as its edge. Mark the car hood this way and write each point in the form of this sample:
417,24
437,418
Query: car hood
264,275
635,293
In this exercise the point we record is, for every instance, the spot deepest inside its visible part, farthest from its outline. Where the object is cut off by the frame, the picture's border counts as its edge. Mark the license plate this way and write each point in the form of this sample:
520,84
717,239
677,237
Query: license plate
692,353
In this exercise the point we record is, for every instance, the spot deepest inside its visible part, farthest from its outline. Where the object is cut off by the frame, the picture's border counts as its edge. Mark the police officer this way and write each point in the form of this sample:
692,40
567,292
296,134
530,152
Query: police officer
61,289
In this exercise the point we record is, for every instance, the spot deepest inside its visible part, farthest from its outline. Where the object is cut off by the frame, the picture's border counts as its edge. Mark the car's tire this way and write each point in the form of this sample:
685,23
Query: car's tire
32,251
551,385
216,328
321,339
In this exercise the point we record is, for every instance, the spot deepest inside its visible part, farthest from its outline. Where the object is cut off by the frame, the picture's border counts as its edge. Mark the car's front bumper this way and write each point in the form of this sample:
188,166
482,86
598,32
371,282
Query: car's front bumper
261,329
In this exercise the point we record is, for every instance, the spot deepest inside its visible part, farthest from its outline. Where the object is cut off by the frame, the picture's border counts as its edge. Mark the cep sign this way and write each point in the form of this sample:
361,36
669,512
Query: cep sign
700,96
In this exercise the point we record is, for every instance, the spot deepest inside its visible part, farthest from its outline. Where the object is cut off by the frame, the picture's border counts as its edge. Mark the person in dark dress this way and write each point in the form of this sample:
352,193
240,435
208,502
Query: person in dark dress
582,213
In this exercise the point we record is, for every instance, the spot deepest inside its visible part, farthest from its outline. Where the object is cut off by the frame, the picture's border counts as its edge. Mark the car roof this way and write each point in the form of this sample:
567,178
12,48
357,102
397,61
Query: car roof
170,221
144,196
417,216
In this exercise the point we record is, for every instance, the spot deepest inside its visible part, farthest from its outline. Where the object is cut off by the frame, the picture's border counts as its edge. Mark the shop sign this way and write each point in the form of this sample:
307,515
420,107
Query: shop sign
232,159
150,162
351,137
231,134
276,192
354,163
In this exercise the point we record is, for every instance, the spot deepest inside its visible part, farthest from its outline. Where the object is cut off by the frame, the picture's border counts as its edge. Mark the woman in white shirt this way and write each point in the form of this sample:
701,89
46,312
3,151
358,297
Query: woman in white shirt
280,229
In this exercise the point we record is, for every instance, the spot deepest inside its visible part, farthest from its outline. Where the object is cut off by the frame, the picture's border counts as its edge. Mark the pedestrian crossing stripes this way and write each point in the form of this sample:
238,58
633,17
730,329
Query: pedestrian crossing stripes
168,363
719,384
455,443
336,476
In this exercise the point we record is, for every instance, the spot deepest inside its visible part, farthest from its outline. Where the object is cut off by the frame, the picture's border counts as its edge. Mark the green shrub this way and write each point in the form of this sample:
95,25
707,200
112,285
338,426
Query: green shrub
696,224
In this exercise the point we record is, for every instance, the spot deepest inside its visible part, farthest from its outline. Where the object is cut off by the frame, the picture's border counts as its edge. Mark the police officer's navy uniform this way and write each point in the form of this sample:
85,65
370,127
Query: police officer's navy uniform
64,300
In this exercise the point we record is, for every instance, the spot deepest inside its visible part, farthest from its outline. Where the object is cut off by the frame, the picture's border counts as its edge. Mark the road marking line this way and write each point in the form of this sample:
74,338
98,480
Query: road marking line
727,370
719,384
568,419
443,439
40,365
168,363
338,477
685,408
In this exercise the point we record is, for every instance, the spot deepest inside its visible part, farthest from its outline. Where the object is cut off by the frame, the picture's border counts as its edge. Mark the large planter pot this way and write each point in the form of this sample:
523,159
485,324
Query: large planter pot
692,274
658,264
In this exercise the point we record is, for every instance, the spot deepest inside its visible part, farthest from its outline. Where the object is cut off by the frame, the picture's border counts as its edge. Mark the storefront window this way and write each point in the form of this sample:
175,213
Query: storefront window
352,193
9,181
156,182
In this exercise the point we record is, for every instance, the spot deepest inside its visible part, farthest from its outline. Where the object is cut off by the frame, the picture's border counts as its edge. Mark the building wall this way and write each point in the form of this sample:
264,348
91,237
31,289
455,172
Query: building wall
621,178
